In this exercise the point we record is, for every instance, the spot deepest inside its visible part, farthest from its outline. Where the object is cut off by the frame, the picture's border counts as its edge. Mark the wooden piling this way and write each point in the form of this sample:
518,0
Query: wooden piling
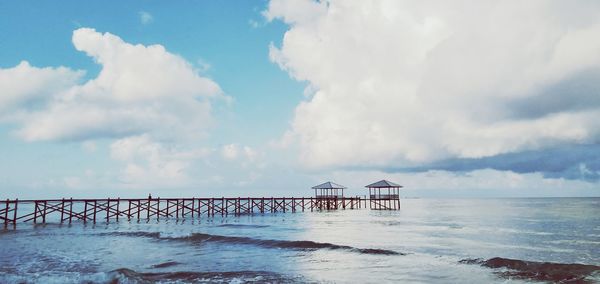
158,209
107,211
15,212
35,211
62,210
85,210
129,210
118,202
70,210
7,207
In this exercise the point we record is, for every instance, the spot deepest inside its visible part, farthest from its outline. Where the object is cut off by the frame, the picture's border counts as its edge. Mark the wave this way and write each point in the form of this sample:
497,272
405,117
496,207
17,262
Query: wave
126,275
298,245
131,276
199,238
154,235
165,264
243,226
541,271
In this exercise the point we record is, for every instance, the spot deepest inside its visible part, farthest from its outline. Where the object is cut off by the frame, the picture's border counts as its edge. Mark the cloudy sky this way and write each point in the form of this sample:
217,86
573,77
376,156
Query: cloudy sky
253,98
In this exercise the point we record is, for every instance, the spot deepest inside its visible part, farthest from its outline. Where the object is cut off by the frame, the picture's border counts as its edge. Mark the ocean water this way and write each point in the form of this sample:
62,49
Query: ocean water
427,241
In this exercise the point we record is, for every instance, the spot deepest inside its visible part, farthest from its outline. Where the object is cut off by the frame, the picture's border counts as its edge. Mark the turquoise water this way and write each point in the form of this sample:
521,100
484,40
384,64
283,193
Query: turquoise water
431,241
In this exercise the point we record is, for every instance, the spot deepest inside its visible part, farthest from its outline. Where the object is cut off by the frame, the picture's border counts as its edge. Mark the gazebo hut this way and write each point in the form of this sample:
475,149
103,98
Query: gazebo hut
329,190
384,195
328,195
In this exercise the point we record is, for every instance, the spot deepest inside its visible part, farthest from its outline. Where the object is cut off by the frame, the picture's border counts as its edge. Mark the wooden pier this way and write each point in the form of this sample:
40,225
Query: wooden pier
106,210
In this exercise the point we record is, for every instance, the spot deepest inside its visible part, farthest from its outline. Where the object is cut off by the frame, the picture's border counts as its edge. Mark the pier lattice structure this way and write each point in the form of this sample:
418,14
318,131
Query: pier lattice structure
115,209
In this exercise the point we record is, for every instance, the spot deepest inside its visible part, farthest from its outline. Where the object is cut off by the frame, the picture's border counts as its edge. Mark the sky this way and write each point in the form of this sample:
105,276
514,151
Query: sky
268,98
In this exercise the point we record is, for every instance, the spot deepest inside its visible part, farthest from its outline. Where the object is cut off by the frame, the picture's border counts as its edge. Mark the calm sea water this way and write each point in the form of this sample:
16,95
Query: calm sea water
434,241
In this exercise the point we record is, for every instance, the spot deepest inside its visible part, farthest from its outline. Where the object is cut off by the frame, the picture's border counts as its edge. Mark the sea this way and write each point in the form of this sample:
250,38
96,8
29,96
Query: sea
553,240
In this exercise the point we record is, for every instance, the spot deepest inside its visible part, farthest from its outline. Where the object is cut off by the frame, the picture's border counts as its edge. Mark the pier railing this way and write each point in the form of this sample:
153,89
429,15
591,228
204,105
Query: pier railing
105,210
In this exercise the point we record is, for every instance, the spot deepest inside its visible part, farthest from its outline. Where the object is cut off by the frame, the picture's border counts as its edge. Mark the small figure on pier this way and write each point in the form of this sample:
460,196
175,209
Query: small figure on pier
149,196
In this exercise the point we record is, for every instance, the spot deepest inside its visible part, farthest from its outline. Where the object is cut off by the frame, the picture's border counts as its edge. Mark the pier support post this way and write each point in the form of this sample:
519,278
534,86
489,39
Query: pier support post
129,210
62,210
45,210
107,209
70,210
293,203
85,210
36,208
193,207
15,213
158,209
118,203
6,213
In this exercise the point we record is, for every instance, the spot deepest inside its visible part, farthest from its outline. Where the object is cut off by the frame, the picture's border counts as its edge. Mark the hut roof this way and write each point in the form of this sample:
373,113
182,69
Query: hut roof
383,184
328,185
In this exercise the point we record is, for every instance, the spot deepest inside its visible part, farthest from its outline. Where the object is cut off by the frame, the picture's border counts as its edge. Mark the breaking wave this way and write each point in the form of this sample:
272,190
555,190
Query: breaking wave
165,264
242,226
199,238
125,275
154,235
299,245
541,271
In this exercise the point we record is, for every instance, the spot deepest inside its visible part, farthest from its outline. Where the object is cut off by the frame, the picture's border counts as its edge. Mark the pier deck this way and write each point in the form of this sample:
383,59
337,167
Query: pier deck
109,209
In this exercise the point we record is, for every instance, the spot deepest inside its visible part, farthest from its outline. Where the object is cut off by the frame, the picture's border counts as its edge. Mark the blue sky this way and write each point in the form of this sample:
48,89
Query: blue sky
114,98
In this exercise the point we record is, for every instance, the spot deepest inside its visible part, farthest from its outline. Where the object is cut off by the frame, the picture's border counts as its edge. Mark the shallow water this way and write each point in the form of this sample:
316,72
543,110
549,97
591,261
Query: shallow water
441,241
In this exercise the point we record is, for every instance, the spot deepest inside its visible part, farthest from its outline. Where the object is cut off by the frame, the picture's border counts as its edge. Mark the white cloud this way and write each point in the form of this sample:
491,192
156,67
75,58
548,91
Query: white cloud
250,153
153,105
151,164
140,89
408,82
254,24
25,86
230,151
203,65
234,151
145,17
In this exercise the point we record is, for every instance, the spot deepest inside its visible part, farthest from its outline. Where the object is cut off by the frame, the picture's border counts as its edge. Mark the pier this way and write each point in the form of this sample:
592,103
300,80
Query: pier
115,209
328,196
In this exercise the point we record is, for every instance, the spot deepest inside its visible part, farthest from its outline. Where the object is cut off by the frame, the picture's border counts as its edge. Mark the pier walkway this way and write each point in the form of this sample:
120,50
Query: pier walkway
105,210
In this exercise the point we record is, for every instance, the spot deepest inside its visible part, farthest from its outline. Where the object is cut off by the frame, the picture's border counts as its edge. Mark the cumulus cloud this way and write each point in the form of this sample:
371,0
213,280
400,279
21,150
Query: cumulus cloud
152,105
406,83
236,152
230,151
151,164
140,89
25,86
